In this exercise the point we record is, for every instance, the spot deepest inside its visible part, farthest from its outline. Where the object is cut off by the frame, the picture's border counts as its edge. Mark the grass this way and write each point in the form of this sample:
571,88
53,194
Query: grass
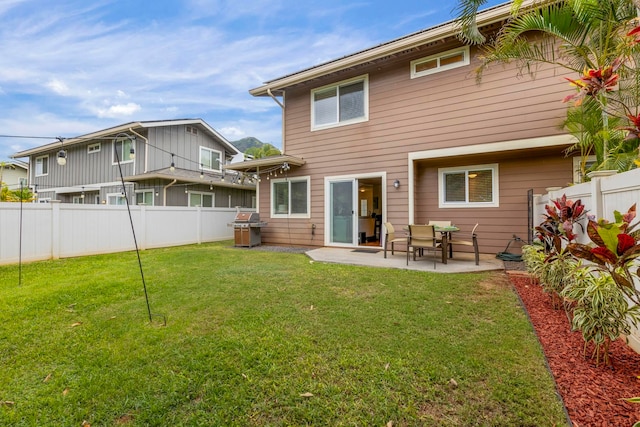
264,339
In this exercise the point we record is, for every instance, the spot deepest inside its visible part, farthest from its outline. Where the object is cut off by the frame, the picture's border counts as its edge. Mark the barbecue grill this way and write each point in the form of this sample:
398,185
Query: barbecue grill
246,229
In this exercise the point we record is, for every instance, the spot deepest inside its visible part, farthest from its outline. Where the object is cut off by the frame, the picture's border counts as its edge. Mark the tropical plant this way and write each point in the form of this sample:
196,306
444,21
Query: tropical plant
555,232
615,247
560,220
597,40
534,258
600,310
20,195
556,276
264,150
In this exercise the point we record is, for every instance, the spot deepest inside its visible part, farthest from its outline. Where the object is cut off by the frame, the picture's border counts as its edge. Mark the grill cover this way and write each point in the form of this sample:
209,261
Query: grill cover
242,217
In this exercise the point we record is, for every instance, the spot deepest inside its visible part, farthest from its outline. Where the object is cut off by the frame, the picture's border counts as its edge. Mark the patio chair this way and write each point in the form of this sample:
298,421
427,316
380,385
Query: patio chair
472,241
390,237
423,238
443,224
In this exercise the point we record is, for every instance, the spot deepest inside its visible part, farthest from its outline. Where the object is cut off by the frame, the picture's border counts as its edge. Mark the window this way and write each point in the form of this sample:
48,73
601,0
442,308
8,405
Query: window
441,62
23,182
210,159
144,197
192,130
340,104
93,148
589,161
471,186
204,200
122,148
290,197
116,199
42,165
78,200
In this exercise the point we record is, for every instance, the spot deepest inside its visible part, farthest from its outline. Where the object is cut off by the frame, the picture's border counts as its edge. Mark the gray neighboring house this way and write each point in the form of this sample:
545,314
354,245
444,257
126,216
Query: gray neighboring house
164,163
14,174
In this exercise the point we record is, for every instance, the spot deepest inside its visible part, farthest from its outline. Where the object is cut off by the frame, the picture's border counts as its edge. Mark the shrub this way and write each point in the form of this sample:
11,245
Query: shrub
601,310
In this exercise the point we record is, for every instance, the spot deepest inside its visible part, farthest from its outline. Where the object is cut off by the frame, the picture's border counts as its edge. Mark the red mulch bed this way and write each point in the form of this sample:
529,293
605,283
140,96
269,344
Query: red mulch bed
592,394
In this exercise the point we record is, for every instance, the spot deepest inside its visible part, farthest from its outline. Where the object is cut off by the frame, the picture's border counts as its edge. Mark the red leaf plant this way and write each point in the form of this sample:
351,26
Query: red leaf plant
615,246
594,81
560,218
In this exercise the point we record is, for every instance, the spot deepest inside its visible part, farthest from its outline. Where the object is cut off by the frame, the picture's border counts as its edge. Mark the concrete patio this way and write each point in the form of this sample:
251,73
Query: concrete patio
462,262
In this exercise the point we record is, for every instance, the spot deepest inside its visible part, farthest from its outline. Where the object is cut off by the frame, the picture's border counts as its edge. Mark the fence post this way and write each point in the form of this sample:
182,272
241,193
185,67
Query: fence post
142,235
199,224
596,191
55,229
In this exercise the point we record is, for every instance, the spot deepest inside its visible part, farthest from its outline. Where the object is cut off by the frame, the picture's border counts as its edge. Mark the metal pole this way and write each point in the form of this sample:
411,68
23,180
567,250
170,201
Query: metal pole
20,242
133,231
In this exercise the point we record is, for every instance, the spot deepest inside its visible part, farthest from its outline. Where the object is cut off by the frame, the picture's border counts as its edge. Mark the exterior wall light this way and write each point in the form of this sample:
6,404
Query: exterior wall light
396,183
62,157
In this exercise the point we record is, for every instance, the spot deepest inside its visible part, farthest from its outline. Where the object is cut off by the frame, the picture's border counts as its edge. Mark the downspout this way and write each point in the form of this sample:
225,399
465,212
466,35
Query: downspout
146,151
282,107
164,192
258,190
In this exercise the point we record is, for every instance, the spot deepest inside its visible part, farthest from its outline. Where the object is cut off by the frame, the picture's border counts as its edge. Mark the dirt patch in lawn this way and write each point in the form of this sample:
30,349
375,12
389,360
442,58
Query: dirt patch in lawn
593,395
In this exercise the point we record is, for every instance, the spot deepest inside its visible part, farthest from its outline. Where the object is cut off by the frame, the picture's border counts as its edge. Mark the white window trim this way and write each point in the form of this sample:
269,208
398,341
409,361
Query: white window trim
153,196
79,200
35,169
201,193
94,148
494,188
109,195
438,69
290,215
364,78
113,152
219,168
577,179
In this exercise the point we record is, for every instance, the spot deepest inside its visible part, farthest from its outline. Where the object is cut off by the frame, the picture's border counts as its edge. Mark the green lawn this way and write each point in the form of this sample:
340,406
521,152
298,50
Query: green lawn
264,339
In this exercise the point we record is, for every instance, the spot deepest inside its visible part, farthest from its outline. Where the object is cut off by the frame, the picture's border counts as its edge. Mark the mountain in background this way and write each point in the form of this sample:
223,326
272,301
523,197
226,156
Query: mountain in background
248,142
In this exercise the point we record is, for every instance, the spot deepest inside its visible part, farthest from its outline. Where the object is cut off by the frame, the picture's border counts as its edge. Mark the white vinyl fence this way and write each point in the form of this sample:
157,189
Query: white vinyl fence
40,231
601,196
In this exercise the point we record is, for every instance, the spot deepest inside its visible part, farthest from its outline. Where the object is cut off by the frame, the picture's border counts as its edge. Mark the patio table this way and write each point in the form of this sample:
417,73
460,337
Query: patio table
445,231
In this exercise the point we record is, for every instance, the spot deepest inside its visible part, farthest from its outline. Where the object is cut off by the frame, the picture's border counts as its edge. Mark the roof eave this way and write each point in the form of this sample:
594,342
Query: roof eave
489,16
208,180
123,128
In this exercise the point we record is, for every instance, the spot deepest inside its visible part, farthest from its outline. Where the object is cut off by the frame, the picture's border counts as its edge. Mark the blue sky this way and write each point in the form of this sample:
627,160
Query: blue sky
69,67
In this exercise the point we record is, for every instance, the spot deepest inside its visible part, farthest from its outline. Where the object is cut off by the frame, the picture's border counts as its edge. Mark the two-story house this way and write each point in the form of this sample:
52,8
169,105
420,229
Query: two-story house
403,131
163,163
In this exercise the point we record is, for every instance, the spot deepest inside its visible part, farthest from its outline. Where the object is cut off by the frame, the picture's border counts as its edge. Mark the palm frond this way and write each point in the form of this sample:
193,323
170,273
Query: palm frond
467,26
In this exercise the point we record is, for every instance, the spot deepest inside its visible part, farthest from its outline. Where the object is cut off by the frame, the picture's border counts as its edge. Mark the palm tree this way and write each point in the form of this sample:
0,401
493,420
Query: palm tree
265,150
586,37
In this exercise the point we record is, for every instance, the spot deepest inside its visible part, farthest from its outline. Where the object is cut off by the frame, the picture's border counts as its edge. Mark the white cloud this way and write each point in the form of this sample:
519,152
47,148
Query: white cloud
107,70
120,110
233,133
58,86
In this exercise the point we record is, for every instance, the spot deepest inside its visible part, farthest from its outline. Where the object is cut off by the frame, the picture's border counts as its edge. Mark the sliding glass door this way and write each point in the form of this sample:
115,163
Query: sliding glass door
342,212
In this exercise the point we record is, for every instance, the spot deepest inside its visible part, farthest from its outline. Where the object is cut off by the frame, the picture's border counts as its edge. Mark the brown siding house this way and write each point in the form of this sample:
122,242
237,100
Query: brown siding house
402,132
